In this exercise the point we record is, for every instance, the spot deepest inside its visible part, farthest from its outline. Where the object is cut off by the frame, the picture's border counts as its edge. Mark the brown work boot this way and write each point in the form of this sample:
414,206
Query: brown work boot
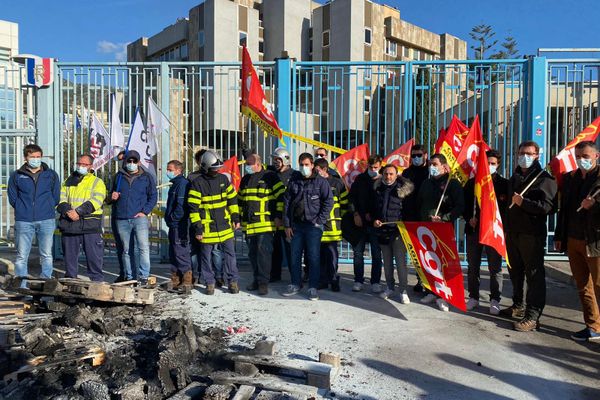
252,287
527,324
210,290
188,280
234,288
219,282
263,289
513,311
175,280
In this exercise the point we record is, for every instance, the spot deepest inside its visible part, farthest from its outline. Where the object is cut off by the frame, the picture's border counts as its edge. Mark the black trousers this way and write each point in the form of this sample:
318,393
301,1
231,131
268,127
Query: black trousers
282,250
329,262
526,258
93,248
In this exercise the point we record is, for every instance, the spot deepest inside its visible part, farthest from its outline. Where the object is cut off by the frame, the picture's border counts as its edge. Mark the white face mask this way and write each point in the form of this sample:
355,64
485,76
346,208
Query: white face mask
131,167
493,169
526,161
305,170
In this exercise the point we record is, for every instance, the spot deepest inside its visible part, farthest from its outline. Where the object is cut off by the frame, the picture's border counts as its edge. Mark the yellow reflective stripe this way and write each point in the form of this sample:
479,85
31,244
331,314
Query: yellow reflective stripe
234,209
194,201
248,190
212,206
231,193
195,193
194,217
278,186
212,198
254,231
279,206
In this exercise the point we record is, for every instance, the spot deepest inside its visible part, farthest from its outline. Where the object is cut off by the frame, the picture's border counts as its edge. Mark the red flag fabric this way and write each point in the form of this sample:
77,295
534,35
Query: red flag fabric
352,163
491,229
432,249
467,159
565,160
440,141
456,133
231,169
254,102
400,157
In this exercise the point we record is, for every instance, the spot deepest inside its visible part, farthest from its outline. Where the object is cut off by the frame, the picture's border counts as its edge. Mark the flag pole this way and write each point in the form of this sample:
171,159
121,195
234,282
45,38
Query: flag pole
529,185
590,195
120,177
437,210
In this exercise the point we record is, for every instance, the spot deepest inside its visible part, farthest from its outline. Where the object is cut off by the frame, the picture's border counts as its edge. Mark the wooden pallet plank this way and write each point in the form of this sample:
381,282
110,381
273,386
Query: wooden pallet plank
264,381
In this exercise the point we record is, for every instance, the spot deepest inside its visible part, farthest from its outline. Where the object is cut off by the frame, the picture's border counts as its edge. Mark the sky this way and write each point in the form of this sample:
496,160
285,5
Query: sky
99,30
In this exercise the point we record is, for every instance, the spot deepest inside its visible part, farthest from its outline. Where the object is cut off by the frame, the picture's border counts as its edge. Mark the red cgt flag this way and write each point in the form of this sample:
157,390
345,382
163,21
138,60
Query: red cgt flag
467,159
254,102
231,169
453,140
352,163
400,157
491,229
565,160
432,249
440,141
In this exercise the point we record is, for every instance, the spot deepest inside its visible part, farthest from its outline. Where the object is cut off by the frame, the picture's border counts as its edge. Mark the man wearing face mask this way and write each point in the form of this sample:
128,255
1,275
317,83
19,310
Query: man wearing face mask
80,221
526,236
578,233
332,233
451,208
417,173
260,192
281,247
474,248
134,191
307,203
177,219
361,194
34,192
390,192
214,214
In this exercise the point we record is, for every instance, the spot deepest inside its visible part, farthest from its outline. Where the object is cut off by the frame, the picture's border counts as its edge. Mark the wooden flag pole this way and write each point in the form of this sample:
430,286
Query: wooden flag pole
437,210
528,186
590,195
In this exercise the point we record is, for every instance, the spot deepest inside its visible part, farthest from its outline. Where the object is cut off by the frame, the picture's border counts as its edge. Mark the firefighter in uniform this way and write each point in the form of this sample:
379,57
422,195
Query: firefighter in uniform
281,247
260,192
332,230
80,221
214,214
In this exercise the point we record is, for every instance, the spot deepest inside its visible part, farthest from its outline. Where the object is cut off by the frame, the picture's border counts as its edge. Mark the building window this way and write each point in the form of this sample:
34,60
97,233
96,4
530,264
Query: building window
406,51
200,38
310,46
243,38
391,48
261,47
367,104
325,38
368,36
184,52
415,54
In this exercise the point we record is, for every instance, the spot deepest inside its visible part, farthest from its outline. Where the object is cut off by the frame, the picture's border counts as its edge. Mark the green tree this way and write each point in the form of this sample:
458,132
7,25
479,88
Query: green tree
508,49
483,35
425,109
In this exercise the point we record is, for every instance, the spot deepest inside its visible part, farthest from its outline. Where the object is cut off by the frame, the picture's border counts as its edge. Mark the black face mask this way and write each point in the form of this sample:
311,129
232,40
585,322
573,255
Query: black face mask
211,173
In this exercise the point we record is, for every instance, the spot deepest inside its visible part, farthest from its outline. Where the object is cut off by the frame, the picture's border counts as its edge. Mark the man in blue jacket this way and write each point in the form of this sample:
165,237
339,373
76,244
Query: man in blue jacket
134,192
307,203
34,192
176,218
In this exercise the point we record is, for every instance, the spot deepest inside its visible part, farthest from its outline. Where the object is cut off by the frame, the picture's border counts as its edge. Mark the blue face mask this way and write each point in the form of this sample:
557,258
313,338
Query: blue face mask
83,171
585,164
493,169
434,171
417,161
372,173
305,170
34,162
249,169
526,161
131,167
170,175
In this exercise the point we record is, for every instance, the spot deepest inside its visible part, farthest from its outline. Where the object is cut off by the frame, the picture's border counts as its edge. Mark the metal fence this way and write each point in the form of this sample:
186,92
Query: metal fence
339,103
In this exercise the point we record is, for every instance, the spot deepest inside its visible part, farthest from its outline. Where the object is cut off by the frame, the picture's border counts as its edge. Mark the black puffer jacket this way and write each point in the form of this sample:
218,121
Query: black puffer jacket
539,201
388,200
417,175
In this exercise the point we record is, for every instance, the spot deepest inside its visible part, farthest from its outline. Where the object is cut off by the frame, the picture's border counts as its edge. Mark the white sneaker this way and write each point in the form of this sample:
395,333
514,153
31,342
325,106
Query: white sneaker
442,305
386,293
494,307
472,303
313,294
430,298
291,290
376,288
357,287
404,299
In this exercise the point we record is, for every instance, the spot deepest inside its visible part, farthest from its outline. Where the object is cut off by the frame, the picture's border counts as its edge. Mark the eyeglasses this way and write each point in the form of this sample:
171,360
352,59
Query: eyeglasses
83,164
416,155
522,153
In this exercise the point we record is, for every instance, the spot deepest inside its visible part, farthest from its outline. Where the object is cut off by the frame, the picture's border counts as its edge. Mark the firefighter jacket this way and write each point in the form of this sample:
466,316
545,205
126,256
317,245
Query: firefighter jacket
332,230
84,194
259,196
213,208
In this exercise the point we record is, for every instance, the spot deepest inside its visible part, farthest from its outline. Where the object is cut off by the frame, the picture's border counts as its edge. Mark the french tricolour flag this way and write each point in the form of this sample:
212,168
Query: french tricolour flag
40,71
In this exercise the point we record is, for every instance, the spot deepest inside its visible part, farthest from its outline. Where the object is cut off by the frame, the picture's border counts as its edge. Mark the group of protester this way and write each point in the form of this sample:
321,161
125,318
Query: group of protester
290,217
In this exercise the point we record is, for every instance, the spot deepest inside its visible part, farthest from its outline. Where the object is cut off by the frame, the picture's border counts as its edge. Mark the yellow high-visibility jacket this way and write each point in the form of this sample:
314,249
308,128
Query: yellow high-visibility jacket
84,194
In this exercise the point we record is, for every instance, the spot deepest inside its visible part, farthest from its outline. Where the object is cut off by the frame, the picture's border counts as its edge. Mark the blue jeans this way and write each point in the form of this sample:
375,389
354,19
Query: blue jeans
307,237
369,236
44,231
139,228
